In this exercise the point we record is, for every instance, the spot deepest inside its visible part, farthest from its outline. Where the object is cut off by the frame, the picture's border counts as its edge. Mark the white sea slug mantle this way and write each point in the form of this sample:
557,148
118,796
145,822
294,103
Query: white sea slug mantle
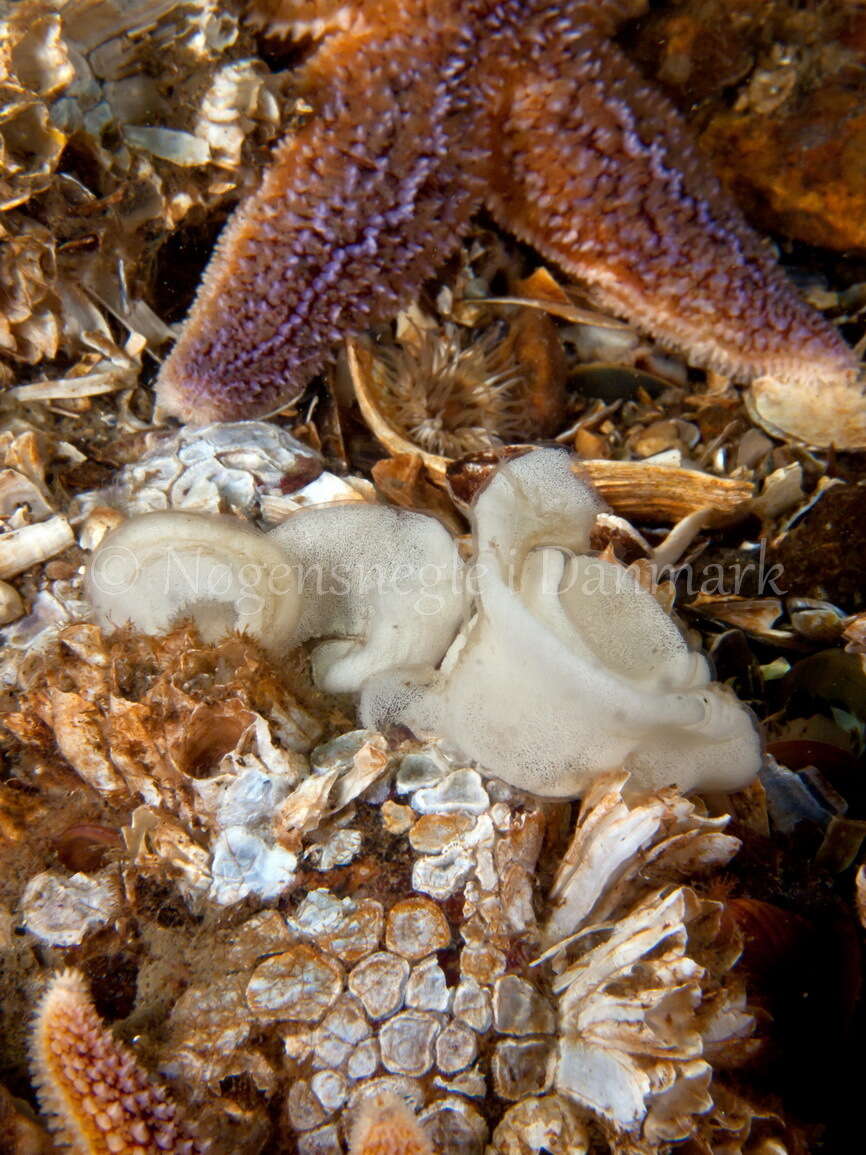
568,667
540,662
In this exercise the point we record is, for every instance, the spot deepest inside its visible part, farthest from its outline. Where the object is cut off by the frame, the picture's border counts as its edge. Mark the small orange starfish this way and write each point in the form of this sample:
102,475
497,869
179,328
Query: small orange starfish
386,1126
100,1100
427,109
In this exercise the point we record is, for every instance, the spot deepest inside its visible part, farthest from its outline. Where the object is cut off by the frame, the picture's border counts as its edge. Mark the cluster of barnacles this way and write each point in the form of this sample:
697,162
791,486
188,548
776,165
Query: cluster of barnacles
103,1102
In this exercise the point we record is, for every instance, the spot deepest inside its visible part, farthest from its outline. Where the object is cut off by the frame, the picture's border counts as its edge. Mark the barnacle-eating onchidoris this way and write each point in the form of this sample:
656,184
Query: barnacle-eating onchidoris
543,664
219,571
568,667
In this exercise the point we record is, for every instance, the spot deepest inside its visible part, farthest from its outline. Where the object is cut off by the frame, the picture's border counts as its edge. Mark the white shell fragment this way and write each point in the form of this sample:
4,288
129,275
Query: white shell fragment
459,792
607,1036
610,847
225,467
569,668
244,864
32,544
61,910
11,604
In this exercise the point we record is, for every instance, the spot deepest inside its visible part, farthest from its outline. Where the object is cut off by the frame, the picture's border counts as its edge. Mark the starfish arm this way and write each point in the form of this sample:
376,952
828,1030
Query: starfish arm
386,1126
295,19
598,172
356,211
101,1101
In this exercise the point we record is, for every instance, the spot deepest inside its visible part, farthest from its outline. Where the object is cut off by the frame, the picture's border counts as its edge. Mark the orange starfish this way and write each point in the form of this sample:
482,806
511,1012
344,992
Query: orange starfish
386,1126
101,1101
427,109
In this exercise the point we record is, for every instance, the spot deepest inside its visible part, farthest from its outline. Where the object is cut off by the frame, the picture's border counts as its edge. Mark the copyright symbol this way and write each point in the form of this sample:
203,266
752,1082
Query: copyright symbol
114,570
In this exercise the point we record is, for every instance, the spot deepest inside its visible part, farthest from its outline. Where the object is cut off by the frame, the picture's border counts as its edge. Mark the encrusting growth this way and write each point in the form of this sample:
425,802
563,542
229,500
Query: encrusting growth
386,1126
424,111
100,1100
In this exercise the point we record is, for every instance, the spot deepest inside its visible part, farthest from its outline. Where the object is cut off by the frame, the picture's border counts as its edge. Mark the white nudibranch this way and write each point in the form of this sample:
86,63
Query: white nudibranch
569,667
542,663
158,568
379,587
385,586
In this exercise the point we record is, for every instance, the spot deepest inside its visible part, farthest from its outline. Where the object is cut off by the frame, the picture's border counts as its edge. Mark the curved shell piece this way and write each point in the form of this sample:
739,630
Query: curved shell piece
219,571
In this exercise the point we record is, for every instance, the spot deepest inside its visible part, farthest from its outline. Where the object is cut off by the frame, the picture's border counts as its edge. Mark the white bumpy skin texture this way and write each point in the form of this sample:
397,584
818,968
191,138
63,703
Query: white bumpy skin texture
381,586
568,668
159,568
385,586
542,663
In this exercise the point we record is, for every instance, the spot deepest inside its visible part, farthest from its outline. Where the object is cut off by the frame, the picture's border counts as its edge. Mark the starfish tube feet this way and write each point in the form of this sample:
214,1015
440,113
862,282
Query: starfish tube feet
101,1101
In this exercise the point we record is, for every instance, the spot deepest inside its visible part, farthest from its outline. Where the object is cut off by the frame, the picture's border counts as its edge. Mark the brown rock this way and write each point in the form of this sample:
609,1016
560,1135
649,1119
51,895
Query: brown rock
800,169
776,93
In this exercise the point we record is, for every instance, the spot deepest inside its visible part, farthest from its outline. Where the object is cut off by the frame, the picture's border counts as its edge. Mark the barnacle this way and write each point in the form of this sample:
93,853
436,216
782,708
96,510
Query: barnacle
443,391
450,393
397,1013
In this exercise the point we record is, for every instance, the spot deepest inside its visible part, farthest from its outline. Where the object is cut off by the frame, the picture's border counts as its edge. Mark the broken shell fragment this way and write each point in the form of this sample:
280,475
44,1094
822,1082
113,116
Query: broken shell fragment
666,494
31,544
61,910
823,414
11,604
234,467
